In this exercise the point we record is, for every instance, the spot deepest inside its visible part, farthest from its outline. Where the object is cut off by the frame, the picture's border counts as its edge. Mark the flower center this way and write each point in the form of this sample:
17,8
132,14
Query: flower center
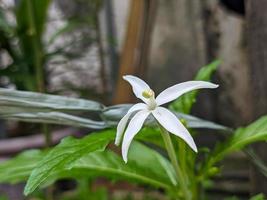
148,93
150,96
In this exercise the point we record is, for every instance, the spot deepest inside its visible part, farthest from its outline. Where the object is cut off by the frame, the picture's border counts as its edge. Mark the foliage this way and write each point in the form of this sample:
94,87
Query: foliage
19,168
139,169
258,197
72,158
28,56
3,198
85,158
257,131
94,164
55,109
67,151
37,107
29,49
184,103
256,161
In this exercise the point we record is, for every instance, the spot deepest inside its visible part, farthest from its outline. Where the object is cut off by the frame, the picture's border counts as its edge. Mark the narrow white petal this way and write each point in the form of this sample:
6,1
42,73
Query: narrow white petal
177,90
172,124
133,128
123,122
138,106
138,86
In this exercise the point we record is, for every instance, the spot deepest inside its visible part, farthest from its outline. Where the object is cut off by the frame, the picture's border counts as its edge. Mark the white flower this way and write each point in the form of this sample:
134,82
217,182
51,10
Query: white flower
152,106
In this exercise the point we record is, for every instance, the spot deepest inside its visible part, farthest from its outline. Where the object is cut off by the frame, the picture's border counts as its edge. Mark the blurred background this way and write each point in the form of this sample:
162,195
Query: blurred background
82,48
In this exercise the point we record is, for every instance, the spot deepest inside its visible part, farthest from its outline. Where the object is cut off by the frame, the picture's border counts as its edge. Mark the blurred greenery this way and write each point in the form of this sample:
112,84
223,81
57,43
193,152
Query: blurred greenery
28,54
84,159
25,43
3,198
184,103
254,132
258,197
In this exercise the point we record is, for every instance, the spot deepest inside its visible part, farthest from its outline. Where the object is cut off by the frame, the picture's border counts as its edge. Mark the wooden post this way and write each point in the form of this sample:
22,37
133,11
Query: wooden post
257,52
134,55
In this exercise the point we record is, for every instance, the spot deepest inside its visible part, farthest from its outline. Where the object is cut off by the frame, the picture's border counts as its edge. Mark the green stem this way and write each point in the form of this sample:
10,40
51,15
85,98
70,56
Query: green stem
37,57
187,165
84,186
37,63
47,134
171,152
182,154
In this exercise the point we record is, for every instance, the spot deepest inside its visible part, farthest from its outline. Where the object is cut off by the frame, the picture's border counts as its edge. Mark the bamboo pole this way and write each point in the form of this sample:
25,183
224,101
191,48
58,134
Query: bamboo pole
135,51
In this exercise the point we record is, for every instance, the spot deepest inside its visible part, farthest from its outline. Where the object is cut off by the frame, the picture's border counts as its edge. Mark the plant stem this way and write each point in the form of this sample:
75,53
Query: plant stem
172,155
37,50
48,136
38,63
182,154
101,55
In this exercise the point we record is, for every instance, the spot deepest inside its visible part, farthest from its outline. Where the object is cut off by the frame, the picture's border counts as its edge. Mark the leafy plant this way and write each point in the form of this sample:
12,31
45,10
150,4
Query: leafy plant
184,103
19,168
257,131
65,153
27,68
258,197
89,157
26,44
43,108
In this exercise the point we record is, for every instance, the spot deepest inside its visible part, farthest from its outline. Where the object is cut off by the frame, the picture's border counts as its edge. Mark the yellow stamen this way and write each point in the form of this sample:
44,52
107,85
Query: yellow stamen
148,93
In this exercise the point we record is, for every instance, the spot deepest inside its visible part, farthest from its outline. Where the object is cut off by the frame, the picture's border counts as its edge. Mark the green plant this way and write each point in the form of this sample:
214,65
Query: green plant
89,157
26,44
28,56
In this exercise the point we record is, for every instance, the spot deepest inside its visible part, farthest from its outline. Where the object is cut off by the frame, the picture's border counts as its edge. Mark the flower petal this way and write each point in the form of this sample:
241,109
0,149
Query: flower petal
133,128
138,86
177,90
123,122
172,124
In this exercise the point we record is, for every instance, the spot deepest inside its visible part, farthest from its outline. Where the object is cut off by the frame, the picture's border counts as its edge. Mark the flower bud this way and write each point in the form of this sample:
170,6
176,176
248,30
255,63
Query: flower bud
213,171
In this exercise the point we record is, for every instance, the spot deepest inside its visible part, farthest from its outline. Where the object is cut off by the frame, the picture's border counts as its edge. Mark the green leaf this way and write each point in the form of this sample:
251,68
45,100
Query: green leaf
68,151
37,18
144,166
197,123
44,102
205,73
258,197
72,159
31,16
257,131
256,160
19,168
107,164
44,108
151,136
113,114
2,197
185,102
50,118
40,8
